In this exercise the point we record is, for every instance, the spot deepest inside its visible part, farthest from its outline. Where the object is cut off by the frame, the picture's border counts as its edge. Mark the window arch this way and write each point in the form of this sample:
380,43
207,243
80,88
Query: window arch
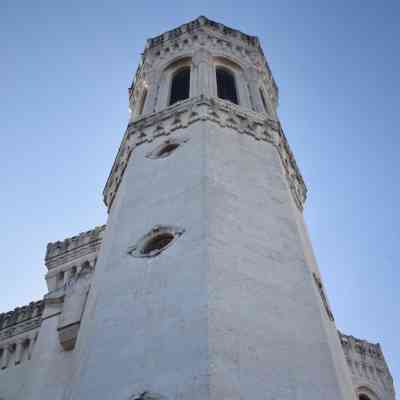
226,86
180,85
366,393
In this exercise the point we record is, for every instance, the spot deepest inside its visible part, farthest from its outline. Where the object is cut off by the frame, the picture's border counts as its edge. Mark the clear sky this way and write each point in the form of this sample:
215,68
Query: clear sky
64,72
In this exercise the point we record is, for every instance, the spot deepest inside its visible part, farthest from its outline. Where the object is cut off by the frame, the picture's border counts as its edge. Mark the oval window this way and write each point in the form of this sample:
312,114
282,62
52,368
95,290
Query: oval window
155,241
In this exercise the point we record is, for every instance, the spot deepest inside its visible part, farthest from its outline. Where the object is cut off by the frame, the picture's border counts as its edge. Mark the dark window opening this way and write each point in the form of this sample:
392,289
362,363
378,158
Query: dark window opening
167,150
363,397
226,88
264,101
157,243
180,86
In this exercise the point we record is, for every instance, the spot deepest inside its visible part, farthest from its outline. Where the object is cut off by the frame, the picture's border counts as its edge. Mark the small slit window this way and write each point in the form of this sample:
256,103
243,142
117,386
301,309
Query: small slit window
180,85
226,88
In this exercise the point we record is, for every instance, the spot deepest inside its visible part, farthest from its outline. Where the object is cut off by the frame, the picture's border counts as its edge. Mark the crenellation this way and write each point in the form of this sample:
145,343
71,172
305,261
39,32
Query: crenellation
20,315
197,24
62,252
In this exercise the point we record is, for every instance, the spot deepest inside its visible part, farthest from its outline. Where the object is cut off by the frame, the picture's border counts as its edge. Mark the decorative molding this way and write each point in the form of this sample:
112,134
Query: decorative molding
220,112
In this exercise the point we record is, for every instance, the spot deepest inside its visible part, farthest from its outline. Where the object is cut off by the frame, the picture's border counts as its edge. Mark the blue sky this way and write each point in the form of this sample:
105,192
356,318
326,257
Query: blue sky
64,72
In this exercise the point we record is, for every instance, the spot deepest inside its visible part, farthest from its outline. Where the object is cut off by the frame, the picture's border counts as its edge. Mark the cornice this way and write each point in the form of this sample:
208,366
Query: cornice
220,112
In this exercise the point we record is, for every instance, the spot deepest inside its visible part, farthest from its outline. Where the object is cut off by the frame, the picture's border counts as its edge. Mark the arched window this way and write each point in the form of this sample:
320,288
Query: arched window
142,102
226,88
363,396
263,100
180,85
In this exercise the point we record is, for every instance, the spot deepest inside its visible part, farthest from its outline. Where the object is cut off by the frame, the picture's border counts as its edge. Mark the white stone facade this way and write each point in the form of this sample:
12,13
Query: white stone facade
203,284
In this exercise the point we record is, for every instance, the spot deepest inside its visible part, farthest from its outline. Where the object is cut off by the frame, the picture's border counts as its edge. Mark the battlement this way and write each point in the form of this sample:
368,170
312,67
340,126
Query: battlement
76,246
361,346
20,319
197,24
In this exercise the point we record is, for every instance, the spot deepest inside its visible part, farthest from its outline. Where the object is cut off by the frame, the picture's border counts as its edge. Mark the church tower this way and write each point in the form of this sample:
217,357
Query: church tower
203,284
206,286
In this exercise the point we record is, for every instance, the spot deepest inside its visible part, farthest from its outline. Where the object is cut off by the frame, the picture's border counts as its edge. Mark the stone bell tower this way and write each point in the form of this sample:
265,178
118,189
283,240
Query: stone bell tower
206,286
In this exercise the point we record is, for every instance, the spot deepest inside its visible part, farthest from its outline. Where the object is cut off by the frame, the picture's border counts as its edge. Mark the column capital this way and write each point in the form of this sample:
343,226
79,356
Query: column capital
201,55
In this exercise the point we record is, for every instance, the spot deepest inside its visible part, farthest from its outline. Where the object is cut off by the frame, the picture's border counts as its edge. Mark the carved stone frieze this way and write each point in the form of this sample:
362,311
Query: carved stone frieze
220,112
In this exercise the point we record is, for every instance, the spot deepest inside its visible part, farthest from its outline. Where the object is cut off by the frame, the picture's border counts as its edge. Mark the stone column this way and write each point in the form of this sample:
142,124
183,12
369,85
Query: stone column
6,356
30,347
18,351
162,87
3,356
200,81
251,76
152,83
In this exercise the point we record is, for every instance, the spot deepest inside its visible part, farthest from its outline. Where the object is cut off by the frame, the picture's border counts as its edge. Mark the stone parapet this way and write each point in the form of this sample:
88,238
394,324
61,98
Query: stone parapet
78,246
215,110
197,24
21,319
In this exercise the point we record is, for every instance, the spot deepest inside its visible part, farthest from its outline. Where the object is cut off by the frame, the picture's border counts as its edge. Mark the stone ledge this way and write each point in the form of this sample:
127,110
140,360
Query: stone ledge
221,112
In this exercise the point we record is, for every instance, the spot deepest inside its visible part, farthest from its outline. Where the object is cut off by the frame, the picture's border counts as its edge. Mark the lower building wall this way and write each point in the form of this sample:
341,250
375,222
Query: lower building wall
228,321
